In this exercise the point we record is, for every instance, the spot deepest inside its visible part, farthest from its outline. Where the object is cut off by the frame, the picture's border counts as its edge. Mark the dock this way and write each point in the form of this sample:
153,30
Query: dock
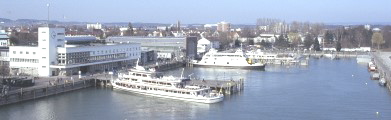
337,54
163,66
383,62
225,86
50,86
40,91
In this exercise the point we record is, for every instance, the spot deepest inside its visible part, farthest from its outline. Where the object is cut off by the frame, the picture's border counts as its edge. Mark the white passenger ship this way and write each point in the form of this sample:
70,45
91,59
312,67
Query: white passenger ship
237,59
146,82
271,58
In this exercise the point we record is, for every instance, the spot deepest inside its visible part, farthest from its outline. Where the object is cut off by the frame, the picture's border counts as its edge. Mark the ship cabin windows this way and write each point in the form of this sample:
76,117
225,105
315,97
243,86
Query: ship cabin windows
144,75
227,62
134,79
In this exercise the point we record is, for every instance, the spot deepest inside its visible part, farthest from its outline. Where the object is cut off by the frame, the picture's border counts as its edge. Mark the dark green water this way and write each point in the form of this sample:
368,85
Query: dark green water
326,89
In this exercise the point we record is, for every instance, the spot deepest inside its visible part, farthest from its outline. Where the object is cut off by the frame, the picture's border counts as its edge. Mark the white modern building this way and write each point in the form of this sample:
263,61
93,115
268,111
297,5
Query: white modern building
4,43
266,37
203,45
94,26
223,26
3,39
54,57
123,30
210,26
166,47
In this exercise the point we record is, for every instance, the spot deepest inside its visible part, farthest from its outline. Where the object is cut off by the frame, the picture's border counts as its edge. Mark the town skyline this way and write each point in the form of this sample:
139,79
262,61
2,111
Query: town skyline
200,12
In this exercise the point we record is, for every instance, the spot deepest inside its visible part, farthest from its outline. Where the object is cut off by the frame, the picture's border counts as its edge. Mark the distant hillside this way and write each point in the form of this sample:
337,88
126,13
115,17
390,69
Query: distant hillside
8,22
5,20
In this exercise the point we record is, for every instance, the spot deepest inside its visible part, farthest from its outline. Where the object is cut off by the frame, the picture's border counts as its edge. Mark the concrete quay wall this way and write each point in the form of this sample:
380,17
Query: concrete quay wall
383,63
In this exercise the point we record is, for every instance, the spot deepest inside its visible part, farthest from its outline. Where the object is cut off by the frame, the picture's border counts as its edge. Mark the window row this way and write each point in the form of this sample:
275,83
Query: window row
113,51
24,60
23,52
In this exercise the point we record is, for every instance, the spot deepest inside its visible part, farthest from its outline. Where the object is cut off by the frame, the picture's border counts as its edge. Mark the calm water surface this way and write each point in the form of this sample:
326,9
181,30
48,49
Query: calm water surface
327,89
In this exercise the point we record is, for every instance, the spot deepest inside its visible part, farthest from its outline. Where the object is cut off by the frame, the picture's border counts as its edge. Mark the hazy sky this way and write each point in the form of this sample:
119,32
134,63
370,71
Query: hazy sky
199,11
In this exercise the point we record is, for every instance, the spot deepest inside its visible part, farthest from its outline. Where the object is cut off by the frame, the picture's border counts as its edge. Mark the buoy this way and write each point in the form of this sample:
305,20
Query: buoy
377,113
352,75
366,83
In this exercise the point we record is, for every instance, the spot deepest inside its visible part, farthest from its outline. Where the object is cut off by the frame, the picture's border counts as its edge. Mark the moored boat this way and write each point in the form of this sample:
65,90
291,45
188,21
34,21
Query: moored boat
375,75
150,83
236,59
363,59
382,81
372,66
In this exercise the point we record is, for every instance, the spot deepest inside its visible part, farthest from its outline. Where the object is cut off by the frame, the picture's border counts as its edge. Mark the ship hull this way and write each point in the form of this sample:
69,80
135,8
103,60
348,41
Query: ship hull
161,94
262,67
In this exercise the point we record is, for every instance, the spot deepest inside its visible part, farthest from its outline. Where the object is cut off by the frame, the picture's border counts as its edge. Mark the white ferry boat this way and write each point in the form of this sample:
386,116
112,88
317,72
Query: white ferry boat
237,59
364,58
146,82
271,58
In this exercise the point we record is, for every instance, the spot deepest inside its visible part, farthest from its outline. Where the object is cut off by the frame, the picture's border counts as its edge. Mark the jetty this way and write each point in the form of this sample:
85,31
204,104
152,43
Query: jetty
224,86
43,87
50,86
337,54
383,63
163,66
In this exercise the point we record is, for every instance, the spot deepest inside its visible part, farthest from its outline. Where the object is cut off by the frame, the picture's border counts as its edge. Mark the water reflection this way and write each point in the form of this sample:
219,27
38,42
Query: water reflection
326,89
150,107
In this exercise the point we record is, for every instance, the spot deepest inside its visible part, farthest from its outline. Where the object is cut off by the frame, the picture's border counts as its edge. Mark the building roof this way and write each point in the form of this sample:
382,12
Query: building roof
3,35
203,41
73,39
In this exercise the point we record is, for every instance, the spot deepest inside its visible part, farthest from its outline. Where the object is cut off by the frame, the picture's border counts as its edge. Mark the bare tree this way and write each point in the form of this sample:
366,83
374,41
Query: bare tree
386,31
295,38
4,71
359,36
377,38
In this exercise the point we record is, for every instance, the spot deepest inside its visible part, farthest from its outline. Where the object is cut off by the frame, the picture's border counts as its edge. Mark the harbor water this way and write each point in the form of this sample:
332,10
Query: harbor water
324,90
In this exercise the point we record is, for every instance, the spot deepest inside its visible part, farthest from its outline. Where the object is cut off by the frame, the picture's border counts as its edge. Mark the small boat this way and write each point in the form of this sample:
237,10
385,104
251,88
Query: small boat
372,67
363,59
331,56
375,75
382,81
